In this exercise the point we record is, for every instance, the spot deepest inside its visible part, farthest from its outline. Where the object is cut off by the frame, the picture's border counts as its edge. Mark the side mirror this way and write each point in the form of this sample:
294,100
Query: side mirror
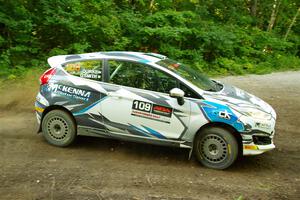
179,94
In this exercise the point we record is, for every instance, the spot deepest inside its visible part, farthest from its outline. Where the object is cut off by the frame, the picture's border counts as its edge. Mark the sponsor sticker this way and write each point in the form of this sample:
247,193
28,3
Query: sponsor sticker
151,111
91,74
39,109
263,125
224,114
72,67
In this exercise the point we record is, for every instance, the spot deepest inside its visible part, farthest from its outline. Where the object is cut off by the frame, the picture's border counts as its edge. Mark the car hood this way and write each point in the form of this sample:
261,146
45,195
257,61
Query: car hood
237,97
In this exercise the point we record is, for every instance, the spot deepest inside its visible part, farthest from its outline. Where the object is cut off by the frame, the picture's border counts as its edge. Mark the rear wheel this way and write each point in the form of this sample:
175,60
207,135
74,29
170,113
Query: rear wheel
59,128
216,148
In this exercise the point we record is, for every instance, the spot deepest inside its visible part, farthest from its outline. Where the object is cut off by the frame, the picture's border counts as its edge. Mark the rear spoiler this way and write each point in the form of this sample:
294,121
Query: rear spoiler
56,61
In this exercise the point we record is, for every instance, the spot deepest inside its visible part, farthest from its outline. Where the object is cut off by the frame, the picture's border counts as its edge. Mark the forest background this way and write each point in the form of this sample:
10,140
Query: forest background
214,36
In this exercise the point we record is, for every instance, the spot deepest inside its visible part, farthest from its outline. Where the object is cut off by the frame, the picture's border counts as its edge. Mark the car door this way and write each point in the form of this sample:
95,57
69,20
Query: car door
138,103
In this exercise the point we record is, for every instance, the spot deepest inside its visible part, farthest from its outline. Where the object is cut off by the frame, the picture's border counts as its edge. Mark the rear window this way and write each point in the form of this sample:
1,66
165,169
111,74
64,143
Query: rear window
89,69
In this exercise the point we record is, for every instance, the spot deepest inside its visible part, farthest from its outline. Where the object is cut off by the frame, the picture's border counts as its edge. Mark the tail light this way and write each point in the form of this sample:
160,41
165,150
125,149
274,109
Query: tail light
47,76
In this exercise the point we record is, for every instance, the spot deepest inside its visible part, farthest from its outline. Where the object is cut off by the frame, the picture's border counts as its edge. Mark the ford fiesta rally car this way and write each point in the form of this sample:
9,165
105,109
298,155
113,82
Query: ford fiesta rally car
147,97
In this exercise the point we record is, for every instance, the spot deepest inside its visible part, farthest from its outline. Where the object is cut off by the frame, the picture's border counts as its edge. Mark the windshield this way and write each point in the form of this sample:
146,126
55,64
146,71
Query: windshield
191,75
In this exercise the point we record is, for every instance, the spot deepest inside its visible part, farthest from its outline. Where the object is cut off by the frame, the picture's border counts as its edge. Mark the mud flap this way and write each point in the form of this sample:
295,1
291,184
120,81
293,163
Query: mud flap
191,153
39,130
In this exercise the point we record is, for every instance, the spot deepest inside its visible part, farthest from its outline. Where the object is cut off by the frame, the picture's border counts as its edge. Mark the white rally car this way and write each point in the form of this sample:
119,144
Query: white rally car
149,98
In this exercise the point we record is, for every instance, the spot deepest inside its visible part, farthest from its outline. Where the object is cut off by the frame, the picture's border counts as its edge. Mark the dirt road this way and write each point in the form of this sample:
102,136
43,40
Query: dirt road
96,168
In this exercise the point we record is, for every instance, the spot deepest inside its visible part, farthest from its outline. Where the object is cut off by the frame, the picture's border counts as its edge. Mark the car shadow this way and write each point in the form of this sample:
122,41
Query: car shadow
132,149
172,155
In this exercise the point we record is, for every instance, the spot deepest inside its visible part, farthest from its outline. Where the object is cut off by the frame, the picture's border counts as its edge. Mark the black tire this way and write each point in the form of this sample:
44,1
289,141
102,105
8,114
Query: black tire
59,128
216,148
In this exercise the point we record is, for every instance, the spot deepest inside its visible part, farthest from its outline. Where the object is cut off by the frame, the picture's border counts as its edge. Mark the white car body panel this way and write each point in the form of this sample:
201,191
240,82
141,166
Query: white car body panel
113,111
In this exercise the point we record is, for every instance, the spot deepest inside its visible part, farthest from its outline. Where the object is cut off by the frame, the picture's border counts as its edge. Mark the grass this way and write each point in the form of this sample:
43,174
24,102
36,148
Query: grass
22,79
19,92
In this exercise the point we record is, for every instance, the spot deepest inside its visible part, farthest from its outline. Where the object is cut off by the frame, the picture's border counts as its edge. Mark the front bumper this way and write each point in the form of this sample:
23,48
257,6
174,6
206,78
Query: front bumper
257,143
253,149
258,135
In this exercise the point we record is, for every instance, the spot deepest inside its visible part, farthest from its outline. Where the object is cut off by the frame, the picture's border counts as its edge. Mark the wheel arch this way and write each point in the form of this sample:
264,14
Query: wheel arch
56,107
229,128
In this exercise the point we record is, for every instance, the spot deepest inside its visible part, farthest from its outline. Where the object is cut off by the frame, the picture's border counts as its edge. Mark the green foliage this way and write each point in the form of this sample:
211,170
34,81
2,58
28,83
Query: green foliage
216,37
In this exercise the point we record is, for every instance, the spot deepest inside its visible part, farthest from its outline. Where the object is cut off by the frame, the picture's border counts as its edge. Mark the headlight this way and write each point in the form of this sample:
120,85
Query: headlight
257,114
252,112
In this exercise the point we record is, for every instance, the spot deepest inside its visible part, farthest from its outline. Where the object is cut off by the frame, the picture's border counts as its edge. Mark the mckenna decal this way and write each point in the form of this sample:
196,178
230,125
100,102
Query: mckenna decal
69,91
151,111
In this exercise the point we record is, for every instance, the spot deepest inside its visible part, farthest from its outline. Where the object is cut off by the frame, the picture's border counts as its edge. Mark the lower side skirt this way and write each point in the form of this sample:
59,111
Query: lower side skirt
88,131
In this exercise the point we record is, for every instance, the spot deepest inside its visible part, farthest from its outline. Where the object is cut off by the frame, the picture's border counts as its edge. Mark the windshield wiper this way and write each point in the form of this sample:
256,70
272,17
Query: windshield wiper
211,90
218,86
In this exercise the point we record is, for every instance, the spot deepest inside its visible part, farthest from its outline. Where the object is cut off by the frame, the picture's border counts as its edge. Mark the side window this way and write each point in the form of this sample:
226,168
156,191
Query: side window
140,76
188,92
164,82
90,69
126,73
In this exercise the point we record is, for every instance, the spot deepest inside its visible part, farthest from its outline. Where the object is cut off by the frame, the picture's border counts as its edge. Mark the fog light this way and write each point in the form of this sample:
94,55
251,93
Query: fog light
250,147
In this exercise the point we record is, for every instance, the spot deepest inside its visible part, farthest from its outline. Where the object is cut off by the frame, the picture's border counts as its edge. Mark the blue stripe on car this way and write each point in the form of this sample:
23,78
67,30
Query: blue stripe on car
89,107
154,133
141,131
212,111
144,61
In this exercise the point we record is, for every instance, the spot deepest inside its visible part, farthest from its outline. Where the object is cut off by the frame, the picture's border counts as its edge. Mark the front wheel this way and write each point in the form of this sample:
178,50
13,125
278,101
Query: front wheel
59,128
216,148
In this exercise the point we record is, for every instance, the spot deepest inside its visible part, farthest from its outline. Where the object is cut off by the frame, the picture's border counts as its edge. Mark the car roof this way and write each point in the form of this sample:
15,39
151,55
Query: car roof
56,61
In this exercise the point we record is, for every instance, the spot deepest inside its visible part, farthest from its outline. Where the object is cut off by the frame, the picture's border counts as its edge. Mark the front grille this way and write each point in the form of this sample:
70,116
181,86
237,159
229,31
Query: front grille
262,140
273,132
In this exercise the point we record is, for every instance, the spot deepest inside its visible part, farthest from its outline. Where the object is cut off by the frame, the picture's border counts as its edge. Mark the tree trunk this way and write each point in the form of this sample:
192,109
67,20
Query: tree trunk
274,14
151,6
292,24
253,8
